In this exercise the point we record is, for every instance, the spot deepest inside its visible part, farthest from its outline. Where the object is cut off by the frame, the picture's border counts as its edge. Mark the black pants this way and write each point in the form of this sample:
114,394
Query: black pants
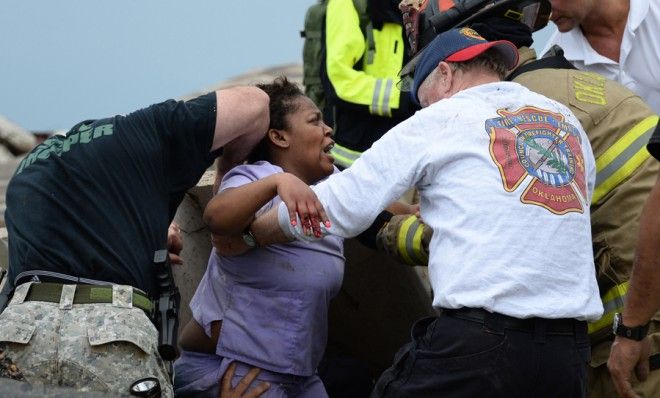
496,356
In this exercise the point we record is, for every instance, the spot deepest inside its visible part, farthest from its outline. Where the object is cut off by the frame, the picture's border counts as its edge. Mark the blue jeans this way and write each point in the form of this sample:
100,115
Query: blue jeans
450,356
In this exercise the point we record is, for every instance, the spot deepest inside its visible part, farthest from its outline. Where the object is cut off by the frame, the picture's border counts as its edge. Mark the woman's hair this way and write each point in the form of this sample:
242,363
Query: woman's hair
282,94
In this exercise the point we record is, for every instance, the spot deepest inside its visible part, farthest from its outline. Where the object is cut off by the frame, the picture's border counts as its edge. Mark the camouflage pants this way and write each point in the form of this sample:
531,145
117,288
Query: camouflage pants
93,347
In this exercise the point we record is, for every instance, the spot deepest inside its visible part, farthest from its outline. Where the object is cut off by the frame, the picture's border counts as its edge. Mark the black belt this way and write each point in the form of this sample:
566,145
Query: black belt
562,326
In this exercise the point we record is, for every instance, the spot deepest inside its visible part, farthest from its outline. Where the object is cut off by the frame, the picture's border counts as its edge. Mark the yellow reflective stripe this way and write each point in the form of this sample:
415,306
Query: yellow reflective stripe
612,303
344,157
620,160
376,96
416,245
385,109
412,247
380,102
409,241
401,241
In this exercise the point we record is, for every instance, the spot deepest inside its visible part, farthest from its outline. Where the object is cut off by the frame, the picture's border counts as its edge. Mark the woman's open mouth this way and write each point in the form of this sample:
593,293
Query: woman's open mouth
327,149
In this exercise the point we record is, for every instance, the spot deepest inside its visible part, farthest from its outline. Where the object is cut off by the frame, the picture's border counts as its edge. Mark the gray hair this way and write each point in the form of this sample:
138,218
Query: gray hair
490,60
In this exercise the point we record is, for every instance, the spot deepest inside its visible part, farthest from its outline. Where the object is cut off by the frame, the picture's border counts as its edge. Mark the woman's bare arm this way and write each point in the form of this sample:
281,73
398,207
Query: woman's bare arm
232,210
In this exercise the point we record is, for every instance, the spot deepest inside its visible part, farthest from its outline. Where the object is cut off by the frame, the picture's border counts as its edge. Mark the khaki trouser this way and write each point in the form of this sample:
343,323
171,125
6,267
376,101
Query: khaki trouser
600,382
93,347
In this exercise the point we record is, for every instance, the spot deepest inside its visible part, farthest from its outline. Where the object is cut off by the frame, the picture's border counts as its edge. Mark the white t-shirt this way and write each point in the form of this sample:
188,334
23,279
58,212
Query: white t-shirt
505,178
639,61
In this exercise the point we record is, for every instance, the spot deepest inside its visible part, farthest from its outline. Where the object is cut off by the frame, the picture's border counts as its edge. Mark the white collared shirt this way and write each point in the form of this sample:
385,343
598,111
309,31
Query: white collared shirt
639,61
506,196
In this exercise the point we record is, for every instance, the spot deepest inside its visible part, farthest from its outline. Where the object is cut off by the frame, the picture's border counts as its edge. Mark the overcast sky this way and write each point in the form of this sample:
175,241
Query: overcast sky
63,61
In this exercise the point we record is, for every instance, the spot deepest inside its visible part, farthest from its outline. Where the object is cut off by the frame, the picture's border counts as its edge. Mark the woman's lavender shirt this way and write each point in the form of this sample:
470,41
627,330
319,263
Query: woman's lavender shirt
273,301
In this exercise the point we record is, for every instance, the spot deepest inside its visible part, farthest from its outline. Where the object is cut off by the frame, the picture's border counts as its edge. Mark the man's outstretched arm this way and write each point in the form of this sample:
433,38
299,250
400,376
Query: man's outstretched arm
642,300
354,198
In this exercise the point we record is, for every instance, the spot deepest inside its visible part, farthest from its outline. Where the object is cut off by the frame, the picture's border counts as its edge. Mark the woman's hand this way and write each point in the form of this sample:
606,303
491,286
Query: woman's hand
301,200
227,391
174,243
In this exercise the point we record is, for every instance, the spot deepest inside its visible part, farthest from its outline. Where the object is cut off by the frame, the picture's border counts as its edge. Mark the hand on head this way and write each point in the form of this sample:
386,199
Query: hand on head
174,243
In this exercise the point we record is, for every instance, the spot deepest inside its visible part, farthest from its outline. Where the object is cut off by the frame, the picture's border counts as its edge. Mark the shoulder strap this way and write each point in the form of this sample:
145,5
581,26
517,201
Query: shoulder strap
557,61
367,29
361,7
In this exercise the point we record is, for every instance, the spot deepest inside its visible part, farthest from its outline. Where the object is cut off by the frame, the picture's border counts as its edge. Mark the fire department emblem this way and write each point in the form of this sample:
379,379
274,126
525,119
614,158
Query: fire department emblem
471,33
540,150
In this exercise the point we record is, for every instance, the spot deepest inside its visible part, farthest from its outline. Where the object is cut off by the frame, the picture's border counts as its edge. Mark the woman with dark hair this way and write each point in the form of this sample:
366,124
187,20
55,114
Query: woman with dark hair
266,307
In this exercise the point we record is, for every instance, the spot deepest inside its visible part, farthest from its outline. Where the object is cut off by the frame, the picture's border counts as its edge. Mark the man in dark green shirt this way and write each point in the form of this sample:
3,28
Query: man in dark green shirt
87,217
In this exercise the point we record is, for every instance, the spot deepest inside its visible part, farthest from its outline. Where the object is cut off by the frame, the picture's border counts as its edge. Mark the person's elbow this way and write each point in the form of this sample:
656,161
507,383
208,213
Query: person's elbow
213,218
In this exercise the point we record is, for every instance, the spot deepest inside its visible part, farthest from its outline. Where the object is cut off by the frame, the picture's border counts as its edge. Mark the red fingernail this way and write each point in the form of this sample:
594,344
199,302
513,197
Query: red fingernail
293,222
327,224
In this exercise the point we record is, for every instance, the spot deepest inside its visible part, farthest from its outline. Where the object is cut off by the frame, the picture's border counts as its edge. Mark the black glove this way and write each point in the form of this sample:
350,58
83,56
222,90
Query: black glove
368,237
406,106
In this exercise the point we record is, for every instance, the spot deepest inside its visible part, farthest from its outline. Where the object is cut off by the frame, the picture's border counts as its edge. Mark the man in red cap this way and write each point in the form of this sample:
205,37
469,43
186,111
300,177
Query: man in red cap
505,177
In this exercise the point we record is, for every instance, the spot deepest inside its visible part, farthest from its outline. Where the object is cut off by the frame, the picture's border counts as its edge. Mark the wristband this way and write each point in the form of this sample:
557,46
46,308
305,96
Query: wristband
636,333
249,239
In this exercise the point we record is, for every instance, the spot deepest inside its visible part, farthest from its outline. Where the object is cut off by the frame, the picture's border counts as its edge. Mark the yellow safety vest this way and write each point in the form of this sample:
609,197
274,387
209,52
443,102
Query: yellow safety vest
362,70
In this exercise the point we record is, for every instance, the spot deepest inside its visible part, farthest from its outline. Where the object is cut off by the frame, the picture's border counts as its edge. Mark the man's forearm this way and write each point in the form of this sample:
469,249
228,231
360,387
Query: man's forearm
643,298
266,229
